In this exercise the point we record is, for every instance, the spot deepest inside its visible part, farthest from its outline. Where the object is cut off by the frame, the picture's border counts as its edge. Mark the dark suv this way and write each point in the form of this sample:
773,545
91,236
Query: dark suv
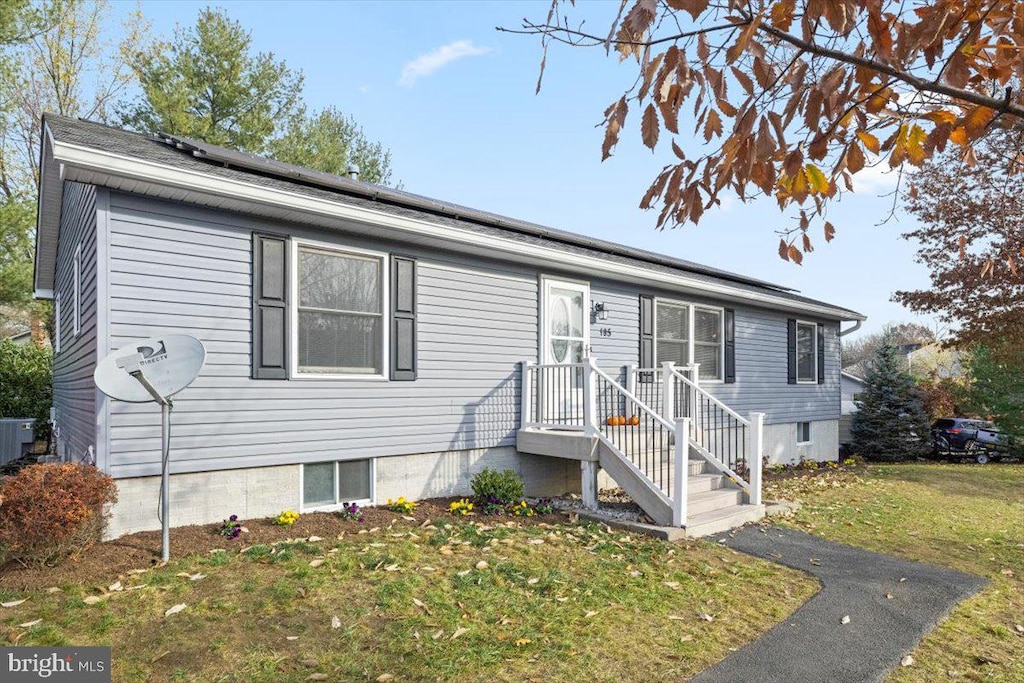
961,436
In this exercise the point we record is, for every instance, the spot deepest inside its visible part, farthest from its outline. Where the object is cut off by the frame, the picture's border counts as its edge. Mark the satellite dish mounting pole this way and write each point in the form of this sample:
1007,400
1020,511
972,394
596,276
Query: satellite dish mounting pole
154,370
133,366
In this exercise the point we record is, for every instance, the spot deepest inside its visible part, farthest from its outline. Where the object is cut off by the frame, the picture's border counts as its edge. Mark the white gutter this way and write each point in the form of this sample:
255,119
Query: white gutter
103,162
856,326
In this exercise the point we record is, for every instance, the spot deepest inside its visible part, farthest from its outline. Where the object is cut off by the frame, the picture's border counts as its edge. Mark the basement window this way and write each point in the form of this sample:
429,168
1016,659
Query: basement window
803,432
327,485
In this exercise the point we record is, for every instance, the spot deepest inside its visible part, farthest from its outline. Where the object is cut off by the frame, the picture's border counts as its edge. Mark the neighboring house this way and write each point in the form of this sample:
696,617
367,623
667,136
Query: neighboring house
852,387
365,343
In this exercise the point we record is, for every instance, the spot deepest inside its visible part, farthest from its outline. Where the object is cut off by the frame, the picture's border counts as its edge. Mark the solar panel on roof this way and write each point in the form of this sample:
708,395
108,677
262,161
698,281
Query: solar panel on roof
292,172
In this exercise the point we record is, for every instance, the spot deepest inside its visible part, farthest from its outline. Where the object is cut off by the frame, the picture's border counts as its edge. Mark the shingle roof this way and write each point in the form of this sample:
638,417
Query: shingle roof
359,194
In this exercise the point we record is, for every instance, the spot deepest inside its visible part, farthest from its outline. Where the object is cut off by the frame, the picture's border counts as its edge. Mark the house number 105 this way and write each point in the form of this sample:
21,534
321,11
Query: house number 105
606,331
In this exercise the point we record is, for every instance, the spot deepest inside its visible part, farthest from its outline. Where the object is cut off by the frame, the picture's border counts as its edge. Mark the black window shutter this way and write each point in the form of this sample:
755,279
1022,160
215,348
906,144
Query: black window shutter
730,346
269,307
821,353
403,318
646,335
791,349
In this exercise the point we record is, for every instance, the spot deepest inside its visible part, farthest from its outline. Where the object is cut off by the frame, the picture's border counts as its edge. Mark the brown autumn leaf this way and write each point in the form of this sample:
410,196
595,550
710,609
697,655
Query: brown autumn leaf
712,125
830,232
894,71
795,256
650,127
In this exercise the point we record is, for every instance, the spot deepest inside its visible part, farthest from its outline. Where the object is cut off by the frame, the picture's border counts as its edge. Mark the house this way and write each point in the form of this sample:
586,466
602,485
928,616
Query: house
851,387
365,343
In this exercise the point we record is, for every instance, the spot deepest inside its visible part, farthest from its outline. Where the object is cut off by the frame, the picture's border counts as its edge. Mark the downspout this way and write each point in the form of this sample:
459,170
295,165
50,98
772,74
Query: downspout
856,326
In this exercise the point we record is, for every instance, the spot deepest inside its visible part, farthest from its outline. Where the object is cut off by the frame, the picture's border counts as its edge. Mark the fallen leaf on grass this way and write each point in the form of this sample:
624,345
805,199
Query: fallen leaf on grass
13,603
116,586
53,589
846,619
522,641
707,617
674,585
589,614
482,564
1019,628
459,632
384,678
419,603
532,581
317,677
686,638
437,634
91,599
536,541
673,617
335,622
314,539
907,661
291,637
392,567
316,563
174,610
1007,572
30,624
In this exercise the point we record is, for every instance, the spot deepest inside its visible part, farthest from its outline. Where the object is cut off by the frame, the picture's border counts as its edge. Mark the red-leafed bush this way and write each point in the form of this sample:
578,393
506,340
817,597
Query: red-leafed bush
49,512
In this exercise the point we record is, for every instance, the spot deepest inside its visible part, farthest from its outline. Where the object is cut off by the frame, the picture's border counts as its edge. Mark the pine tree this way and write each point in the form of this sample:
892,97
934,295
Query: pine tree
890,422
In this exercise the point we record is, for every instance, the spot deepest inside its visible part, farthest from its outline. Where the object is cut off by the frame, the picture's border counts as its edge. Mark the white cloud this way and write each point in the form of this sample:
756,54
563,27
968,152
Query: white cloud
428,63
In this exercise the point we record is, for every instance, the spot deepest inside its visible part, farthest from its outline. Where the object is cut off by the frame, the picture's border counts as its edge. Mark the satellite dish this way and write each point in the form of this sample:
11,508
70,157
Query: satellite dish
154,370
169,363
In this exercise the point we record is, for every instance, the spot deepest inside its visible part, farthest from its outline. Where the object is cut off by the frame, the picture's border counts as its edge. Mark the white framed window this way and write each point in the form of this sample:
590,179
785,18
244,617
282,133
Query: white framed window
690,333
806,353
339,312
329,485
76,283
56,323
803,432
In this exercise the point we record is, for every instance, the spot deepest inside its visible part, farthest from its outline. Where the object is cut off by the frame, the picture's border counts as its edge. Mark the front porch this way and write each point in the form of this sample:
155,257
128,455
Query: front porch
683,456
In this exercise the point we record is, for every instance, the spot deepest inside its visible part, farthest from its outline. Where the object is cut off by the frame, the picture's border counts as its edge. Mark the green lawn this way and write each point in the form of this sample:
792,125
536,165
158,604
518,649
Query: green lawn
967,517
458,602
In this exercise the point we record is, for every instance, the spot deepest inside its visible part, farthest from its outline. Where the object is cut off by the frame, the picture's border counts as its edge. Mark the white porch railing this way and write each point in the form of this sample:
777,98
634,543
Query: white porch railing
727,440
645,422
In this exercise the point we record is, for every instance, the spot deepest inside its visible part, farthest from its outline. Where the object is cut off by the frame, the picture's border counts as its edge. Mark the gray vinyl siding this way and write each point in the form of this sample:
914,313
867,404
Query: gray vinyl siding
761,367
177,268
184,269
74,394
621,302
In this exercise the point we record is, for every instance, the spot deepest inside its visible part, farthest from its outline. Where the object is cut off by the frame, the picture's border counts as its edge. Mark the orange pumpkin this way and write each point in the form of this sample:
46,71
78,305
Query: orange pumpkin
611,420
634,420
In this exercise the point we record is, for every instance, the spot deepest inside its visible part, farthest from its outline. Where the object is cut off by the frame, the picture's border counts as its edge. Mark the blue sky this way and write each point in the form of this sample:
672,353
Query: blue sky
454,101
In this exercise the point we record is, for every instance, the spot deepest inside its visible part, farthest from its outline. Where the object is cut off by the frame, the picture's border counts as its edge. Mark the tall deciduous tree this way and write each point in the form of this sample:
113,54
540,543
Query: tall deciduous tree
55,56
208,84
970,237
792,99
890,422
864,348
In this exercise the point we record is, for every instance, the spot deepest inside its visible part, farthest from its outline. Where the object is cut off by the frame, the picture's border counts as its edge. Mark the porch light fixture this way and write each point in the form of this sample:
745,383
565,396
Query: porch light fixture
599,311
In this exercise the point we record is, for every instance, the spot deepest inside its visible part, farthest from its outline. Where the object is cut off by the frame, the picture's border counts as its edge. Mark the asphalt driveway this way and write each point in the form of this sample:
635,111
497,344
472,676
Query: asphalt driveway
814,645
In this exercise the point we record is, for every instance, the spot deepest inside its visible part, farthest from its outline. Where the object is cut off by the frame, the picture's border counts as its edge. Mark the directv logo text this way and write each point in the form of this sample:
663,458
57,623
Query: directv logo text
83,665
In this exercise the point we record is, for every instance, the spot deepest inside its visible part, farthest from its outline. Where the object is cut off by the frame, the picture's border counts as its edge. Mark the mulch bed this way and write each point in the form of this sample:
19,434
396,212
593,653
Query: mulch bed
103,562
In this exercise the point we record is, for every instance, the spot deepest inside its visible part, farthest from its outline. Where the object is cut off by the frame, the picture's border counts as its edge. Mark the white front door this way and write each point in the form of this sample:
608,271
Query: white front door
565,341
